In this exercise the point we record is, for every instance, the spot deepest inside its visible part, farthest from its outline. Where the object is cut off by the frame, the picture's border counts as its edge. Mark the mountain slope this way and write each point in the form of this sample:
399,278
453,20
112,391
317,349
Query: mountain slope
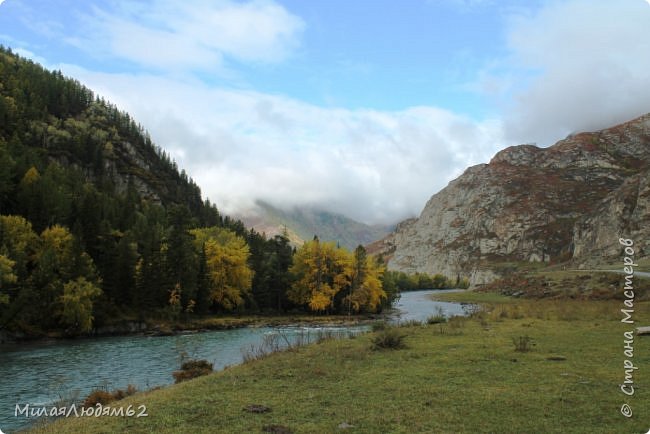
303,223
96,220
47,119
571,201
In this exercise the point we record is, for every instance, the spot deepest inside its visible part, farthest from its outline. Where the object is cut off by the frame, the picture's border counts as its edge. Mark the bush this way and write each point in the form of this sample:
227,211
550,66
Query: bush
389,338
436,319
104,397
522,344
121,394
192,369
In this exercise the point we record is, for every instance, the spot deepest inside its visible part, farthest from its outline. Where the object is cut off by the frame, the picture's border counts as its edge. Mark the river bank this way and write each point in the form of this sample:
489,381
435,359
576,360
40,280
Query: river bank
69,369
521,365
155,326
167,327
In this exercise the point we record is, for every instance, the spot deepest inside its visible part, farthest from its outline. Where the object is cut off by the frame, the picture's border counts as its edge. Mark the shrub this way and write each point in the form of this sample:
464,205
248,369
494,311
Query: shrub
522,344
121,394
104,397
98,396
192,369
389,338
438,317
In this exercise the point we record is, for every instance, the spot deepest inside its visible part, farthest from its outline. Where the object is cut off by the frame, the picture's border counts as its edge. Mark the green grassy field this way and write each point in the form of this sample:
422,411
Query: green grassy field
461,376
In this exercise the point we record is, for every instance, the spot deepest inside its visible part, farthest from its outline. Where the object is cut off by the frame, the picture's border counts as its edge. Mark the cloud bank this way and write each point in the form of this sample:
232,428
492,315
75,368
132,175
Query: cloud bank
570,66
241,146
589,61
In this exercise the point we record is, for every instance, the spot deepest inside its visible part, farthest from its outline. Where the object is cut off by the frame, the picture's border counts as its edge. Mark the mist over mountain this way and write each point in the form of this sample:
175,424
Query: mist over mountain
303,223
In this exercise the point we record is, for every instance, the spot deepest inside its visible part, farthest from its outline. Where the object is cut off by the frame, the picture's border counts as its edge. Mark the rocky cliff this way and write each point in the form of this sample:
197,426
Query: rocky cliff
569,202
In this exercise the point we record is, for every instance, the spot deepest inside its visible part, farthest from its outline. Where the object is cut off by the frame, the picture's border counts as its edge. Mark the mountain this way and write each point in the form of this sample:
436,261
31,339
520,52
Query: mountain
303,223
568,202
98,224
53,123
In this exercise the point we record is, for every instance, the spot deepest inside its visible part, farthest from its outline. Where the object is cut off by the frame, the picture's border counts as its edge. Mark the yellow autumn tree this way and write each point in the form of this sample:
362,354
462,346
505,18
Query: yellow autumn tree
321,271
77,304
31,176
230,277
19,242
366,291
59,239
6,276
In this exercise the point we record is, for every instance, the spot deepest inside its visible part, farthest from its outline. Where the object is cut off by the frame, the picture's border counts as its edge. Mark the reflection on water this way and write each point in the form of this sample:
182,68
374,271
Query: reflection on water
45,372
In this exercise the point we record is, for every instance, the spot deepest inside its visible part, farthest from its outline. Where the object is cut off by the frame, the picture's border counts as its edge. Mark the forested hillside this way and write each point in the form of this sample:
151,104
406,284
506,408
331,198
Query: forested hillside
97,222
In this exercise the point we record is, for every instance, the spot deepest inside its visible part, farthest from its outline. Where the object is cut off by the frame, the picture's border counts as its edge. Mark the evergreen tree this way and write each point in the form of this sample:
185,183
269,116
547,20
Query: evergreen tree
181,257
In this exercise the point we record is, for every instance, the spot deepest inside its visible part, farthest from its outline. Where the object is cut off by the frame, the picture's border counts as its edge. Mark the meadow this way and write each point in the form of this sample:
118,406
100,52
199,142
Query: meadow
513,365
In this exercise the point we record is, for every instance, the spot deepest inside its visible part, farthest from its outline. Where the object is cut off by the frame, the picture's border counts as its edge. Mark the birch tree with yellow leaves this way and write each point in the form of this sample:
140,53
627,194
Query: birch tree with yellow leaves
229,275
327,278
320,271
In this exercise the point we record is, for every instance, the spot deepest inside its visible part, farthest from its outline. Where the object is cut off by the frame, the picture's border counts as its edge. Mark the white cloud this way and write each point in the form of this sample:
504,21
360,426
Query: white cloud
194,35
241,146
572,66
585,64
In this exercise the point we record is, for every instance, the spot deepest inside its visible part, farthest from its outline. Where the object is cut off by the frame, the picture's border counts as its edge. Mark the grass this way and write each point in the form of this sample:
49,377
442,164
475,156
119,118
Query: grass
643,263
489,298
461,376
553,282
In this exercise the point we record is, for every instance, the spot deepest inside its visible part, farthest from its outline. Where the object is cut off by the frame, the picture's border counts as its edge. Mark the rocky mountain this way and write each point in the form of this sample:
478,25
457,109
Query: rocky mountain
303,223
568,202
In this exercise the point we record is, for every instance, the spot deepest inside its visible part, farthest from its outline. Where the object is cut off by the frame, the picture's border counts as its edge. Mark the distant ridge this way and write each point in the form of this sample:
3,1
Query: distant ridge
302,224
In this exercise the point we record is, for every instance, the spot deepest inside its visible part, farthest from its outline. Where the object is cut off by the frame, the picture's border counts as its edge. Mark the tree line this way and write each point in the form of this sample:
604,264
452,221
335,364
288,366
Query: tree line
97,223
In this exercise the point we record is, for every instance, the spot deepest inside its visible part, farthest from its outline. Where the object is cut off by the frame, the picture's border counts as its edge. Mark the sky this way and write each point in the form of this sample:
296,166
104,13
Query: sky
364,107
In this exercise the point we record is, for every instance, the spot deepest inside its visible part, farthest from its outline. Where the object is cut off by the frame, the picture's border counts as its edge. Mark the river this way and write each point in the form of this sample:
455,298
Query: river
42,373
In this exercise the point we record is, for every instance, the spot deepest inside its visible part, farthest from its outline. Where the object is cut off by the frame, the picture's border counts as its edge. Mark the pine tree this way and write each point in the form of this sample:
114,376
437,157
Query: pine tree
181,257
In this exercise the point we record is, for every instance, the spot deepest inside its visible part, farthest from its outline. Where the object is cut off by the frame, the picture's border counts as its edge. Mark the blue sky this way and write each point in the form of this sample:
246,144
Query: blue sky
363,107
385,55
